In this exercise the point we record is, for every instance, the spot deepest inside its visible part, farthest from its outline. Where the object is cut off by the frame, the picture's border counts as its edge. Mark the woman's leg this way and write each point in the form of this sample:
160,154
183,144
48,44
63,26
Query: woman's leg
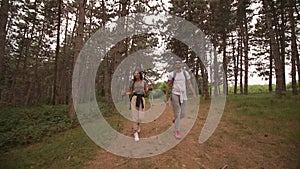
141,115
134,114
176,110
183,109
135,118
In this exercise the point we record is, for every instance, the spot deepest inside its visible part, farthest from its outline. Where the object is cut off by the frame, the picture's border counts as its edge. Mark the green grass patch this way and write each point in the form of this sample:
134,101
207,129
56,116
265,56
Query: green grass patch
70,149
20,126
253,89
44,137
266,105
268,115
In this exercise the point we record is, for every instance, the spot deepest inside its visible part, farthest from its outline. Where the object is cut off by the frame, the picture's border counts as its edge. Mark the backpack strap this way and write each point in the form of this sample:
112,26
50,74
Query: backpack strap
174,75
184,73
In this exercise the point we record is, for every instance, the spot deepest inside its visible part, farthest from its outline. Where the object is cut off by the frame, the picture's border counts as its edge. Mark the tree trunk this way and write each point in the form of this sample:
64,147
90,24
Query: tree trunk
63,71
295,53
54,99
14,88
282,42
31,80
211,70
271,69
246,51
24,73
37,80
78,46
216,74
275,51
70,59
29,92
293,7
107,76
204,74
3,21
15,77
235,66
298,66
293,74
241,64
225,65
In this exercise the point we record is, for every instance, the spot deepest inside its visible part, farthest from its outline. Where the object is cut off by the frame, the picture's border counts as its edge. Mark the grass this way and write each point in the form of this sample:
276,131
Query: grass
43,137
265,105
70,149
265,114
253,89
21,126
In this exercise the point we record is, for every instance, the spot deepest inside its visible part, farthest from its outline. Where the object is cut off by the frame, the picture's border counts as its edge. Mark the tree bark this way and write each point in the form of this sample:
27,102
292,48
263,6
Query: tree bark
271,69
283,41
54,99
225,66
246,51
295,53
3,21
78,46
63,76
216,74
275,50
235,66
241,64
204,74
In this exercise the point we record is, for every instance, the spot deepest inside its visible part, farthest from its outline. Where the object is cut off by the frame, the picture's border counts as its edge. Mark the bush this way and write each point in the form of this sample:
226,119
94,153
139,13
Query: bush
28,125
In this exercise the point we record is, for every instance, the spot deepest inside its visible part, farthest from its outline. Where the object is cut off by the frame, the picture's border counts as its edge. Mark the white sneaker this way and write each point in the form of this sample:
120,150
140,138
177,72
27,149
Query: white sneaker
136,136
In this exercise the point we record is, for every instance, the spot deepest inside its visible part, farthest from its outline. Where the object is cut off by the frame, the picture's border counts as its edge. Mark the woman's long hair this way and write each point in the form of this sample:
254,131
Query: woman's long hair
141,76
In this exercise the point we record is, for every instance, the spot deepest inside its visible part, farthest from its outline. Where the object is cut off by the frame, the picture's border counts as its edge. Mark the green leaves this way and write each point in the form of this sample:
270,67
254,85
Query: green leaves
23,126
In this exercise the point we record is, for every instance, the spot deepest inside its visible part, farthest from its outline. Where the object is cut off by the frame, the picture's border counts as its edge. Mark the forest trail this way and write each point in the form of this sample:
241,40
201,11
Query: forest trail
229,147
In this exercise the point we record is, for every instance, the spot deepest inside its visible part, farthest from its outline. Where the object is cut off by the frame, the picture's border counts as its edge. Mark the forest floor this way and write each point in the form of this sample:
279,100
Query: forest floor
240,141
255,132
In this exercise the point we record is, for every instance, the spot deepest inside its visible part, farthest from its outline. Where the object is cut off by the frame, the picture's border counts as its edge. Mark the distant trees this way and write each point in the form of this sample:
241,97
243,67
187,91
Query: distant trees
294,47
275,49
40,39
229,25
224,22
281,33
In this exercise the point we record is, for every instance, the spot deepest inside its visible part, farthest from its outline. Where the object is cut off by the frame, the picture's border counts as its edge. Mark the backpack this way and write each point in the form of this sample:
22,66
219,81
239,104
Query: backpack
174,75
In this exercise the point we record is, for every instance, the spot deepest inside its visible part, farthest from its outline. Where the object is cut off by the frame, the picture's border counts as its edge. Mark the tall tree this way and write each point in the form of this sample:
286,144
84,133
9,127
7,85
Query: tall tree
78,46
3,21
235,64
240,56
295,53
243,22
275,49
263,60
54,99
282,38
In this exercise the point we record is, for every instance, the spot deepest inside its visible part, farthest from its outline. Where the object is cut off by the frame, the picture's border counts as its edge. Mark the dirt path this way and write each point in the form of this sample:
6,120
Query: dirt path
231,146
